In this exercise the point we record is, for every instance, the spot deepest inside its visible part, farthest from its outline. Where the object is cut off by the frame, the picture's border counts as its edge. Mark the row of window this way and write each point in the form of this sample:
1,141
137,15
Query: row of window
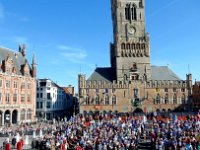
24,116
166,99
105,91
48,96
136,77
15,84
97,100
174,90
39,105
15,97
129,46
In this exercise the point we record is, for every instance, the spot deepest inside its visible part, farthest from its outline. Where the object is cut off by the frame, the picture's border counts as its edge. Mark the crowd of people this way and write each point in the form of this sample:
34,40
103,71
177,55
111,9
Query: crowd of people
111,132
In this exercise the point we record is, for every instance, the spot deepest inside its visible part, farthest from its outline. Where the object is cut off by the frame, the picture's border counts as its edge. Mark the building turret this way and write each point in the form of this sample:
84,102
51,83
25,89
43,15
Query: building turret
189,83
23,51
34,69
81,83
20,48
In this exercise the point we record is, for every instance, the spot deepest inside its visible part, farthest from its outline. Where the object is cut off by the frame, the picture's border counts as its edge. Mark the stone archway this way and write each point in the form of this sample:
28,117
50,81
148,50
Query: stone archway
7,117
158,110
163,110
14,116
138,110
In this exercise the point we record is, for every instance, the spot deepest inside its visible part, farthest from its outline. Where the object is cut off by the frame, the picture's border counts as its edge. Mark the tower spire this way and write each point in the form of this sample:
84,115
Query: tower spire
34,66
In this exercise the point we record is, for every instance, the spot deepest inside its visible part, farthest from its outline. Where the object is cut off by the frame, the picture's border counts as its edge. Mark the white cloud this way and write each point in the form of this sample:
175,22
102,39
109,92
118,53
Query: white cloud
72,54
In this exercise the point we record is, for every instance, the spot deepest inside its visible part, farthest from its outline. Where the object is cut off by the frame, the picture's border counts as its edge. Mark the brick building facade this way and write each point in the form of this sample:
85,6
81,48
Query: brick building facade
131,83
17,86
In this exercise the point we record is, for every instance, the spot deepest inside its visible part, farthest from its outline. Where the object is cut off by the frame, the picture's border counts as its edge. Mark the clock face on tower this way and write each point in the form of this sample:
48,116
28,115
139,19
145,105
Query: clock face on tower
131,30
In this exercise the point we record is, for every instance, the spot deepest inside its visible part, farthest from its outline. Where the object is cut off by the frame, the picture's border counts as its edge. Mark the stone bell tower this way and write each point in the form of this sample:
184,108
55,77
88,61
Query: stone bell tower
130,52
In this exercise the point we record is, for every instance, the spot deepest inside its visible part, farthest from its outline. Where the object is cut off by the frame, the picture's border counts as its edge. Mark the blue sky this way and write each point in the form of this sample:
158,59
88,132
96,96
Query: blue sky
69,37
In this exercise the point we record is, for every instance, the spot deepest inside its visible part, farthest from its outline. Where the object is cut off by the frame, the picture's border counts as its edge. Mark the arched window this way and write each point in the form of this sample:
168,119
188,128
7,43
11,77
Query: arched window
97,100
158,98
127,12
122,46
133,13
138,46
29,114
143,46
133,46
166,98
87,100
128,46
22,115
106,99
114,100
175,98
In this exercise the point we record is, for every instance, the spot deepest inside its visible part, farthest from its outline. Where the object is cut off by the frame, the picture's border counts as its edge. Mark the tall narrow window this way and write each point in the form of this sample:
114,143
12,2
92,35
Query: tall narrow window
158,99
97,100
7,97
7,83
114,100
0,83
133,46
166,99
124,94
29,85
183,99
15,97
106,99
136,93
29,97
127,12
22,114
133,13
23,85
29,114
15,84
22,97
123,46
128,46
175,98
87,100
38,105
0,97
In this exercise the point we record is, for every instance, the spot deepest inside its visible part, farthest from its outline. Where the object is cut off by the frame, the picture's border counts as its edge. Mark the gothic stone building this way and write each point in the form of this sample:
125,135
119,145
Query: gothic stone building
131,82
17,86
196,95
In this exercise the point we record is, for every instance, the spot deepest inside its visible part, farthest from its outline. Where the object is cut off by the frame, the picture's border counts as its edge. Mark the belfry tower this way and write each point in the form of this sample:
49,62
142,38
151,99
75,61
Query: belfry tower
130,52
